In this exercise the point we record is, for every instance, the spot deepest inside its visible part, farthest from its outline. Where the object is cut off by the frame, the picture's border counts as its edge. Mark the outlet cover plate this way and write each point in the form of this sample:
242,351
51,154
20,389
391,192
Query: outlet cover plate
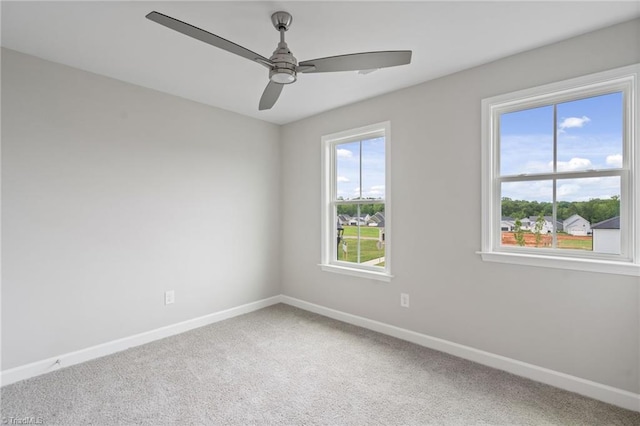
404,300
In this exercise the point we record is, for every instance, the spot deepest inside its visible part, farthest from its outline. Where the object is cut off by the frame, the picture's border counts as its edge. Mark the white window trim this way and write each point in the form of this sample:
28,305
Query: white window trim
328,231
628,263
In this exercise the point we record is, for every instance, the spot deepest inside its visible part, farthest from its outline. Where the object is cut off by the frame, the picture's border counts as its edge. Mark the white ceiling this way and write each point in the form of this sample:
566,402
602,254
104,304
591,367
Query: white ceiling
114,39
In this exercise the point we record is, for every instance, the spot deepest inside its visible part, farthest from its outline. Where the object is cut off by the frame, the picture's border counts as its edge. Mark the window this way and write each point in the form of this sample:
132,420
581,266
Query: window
355,220
560,175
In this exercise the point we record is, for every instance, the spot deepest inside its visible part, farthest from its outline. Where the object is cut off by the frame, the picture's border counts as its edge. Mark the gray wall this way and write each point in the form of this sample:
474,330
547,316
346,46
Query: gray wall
111,195
583,324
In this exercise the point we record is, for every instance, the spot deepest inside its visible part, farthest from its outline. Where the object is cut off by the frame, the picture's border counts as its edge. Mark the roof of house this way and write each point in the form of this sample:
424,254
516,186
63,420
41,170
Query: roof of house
376,218
547,218
613,223
574,218
510,220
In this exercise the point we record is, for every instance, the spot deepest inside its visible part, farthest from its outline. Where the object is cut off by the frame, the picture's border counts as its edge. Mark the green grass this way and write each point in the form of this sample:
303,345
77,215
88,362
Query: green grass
576,244
365,231
368,250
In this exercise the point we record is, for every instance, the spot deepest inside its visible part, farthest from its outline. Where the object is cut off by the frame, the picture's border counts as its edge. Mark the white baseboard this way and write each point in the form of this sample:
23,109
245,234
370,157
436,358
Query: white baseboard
65,360
609,394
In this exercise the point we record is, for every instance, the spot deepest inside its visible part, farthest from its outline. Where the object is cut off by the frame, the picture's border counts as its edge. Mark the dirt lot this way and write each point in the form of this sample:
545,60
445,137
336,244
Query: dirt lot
564,240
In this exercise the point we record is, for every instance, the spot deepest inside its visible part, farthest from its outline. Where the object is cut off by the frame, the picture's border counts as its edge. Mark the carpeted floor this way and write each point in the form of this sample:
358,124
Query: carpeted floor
285,366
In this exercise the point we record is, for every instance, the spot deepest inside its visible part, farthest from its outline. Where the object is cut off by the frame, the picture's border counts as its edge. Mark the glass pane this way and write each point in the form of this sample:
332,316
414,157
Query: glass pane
589,210
362,239
590,133
348,171
373,169
527,214
526,141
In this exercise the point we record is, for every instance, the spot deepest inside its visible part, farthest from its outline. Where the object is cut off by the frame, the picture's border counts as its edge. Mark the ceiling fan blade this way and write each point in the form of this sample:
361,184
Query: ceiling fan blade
357,61
270,95
207,37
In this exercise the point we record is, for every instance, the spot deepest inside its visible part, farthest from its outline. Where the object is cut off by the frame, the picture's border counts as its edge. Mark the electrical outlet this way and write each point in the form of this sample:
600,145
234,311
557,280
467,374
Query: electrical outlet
404,300
169,297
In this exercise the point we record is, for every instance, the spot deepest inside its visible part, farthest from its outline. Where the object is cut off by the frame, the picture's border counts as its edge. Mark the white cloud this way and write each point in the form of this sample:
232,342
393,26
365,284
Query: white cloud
537,167
614,160
568,190
541,190
344,153
343,179
571,122
575,163
581,189
375,191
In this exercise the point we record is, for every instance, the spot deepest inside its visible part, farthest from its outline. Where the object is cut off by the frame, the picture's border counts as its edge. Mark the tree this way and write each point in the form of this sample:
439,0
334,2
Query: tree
365,209
594,210
537,229
518,232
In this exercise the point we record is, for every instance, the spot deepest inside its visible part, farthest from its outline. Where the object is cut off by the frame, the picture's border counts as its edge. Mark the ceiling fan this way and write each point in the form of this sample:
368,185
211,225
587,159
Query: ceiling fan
283,66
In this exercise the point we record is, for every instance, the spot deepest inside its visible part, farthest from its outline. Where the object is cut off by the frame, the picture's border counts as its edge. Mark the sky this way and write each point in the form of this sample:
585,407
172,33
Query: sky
348,156
589,137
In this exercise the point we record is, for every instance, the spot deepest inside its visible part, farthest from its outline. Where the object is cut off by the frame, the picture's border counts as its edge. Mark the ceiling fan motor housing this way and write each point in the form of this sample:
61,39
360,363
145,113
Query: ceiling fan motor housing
284,65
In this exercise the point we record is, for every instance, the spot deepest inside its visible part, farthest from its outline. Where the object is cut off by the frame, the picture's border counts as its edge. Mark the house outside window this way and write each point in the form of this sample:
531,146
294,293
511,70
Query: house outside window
560,162
355,202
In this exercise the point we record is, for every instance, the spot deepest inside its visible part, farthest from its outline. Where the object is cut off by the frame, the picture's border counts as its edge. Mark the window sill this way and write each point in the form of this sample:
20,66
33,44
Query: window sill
379,276
588,265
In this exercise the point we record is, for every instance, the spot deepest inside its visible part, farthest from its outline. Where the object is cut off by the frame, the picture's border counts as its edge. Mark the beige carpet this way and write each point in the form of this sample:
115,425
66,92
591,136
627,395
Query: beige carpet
285,366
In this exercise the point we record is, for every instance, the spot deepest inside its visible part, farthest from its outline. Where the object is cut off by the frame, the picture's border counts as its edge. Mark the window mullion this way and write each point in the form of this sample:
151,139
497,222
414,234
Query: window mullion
554,200
563,175
359,243
554,215
358,233
555,138
360,170
354,202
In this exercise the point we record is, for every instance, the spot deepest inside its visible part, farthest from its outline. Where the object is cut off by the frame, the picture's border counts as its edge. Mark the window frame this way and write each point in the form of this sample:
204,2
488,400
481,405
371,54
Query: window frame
623,80
329,261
